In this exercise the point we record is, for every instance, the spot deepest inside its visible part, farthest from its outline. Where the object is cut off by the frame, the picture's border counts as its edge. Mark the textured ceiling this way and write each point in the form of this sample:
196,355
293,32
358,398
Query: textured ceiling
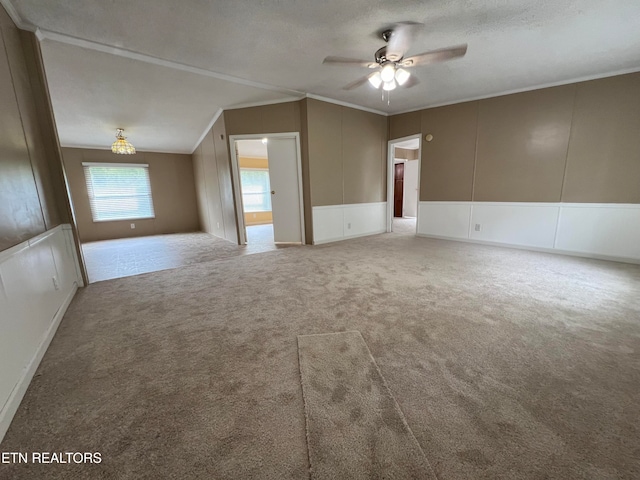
513,45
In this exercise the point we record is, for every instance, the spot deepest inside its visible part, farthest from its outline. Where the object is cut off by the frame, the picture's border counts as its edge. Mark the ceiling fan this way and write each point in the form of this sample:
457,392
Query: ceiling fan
390,63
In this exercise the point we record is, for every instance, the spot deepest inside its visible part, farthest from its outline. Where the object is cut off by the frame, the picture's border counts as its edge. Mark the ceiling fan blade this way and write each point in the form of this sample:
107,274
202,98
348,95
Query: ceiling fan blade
349,62
402,37
357,83
435,56
412,82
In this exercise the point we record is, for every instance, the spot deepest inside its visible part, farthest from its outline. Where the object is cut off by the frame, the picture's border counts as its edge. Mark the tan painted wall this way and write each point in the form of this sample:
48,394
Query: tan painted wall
253,162
31,183
172,189
276,118
603,162
404,124
446,172
347,154
258,218
573,143
214,187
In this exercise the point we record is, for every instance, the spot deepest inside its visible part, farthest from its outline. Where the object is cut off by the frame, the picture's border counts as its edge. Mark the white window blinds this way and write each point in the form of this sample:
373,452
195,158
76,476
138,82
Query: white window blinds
256,192
118,191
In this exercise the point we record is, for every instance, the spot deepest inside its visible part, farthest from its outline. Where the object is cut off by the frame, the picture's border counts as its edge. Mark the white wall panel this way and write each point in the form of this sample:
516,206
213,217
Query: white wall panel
31,307
603,229
609,230
328,223
338,222
527,224
444,219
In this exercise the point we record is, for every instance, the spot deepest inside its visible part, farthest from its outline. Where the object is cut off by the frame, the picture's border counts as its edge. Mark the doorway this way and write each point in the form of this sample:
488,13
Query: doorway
255,187
403,185
268,188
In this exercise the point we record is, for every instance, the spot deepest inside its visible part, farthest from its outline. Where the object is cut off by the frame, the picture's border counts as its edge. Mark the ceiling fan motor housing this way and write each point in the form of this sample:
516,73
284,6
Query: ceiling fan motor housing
381,56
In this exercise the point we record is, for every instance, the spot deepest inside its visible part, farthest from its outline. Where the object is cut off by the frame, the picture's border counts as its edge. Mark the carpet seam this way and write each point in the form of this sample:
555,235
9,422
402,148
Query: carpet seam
304,407
404,420
384,382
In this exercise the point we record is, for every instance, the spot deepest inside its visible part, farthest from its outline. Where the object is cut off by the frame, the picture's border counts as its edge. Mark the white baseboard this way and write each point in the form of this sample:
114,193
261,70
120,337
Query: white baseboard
340,239
13,402
533,249
601,231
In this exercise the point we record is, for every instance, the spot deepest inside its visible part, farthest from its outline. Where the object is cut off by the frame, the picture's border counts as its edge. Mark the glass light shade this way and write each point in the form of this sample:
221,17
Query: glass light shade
402,76
121,146
375,80
388,86
388,72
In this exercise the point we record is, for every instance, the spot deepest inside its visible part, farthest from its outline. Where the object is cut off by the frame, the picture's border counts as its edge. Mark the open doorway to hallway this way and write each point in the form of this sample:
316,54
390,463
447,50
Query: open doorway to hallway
404,182
255,184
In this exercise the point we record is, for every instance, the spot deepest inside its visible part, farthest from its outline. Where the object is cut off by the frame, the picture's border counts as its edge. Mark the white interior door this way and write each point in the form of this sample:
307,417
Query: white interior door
285,197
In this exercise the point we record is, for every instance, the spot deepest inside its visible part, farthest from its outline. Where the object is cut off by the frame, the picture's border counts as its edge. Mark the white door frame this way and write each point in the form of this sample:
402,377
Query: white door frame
391,175
242,240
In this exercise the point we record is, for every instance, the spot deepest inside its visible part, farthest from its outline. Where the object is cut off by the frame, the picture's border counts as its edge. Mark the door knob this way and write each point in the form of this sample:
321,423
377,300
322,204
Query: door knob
273,192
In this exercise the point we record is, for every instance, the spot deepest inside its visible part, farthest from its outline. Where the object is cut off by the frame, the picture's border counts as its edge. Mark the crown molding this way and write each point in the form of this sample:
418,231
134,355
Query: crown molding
138,150
15,16
525,89
132,55
264,103
346,104
216,116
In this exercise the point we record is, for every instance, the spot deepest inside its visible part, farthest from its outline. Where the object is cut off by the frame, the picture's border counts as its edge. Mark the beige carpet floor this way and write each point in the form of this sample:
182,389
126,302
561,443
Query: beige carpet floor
355,428
507,364
125,257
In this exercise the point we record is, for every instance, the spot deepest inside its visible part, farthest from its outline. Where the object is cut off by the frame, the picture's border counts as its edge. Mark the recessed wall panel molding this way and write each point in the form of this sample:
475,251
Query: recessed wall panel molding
38,279
611,230
608,231
444,219
340,222
527,224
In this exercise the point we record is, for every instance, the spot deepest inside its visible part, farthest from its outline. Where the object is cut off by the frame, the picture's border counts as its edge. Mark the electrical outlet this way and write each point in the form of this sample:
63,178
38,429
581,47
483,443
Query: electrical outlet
348,226
218,223
56,285
133,225
478,227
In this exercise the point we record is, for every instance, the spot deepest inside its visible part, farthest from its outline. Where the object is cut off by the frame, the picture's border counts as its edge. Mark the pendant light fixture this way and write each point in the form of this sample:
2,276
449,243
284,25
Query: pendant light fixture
122,146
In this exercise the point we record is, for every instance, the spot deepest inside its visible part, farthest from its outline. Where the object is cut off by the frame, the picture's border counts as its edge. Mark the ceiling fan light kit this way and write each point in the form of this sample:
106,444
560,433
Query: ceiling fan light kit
402,76
375,80
390,62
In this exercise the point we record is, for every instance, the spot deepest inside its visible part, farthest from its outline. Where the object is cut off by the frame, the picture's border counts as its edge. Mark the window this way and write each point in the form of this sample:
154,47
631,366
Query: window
118,191
256,192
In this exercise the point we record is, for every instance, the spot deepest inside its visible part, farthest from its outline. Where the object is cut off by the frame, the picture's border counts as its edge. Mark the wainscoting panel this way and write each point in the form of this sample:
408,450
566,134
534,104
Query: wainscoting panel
527,224
444,219
38,279
609,231
602,229
339,222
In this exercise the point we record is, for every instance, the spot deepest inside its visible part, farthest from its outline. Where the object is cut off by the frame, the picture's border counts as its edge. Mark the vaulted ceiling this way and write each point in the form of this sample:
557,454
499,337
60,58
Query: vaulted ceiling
162,69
